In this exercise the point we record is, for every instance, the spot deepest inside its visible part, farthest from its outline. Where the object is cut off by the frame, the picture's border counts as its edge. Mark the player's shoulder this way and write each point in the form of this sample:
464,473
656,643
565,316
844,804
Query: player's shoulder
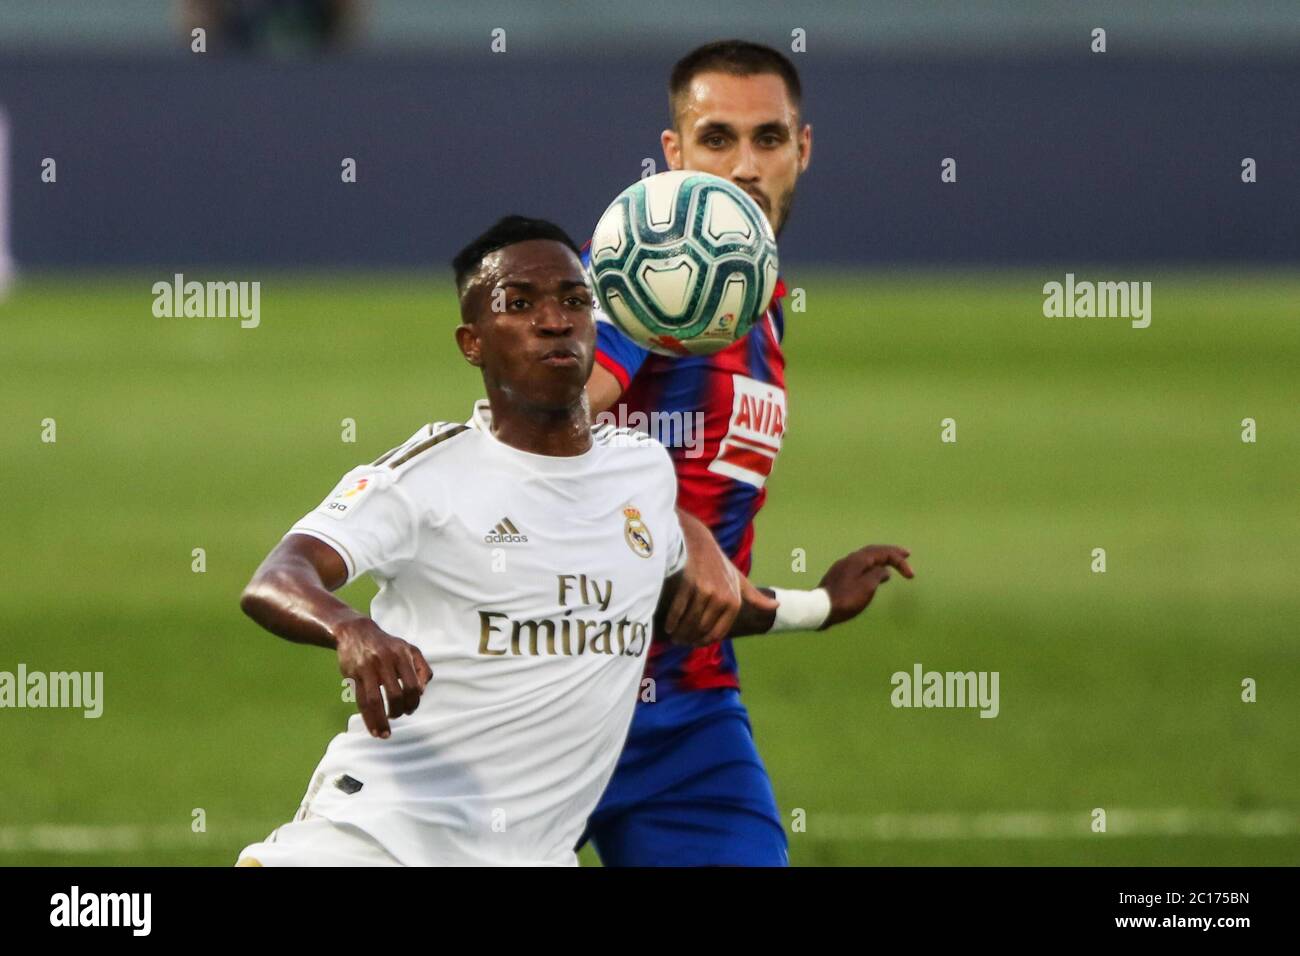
607,330
421,451
382,479
631,448
608,435
637,464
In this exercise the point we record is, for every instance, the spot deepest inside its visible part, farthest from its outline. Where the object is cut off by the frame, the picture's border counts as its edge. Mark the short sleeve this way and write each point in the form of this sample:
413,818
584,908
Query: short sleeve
615,352
676,547
367,519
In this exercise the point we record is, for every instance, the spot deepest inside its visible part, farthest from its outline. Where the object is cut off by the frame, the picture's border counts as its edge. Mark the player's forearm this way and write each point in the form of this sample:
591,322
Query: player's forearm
291,601
753,620
795,611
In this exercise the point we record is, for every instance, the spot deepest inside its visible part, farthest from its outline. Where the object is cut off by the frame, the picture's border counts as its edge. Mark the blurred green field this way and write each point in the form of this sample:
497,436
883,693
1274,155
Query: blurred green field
1119,690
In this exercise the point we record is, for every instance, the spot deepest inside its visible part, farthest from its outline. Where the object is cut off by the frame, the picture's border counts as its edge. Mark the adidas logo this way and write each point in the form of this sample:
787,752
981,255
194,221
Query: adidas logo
505,533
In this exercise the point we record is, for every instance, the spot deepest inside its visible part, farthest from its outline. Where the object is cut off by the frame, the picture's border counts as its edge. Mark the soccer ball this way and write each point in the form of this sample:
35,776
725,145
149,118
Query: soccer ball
683,262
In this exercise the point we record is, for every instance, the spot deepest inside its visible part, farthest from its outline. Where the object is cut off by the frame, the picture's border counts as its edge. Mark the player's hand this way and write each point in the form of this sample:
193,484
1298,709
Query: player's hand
375,660
708,597
853,579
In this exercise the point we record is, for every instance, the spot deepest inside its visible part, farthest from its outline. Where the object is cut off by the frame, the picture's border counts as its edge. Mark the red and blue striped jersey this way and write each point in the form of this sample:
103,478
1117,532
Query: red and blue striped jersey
725,414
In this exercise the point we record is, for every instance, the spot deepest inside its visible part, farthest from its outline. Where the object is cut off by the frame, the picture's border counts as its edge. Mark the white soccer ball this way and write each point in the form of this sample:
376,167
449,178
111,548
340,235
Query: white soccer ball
683,262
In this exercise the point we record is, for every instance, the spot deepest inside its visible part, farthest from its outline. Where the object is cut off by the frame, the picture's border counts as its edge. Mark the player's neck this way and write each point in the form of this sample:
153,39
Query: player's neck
555,432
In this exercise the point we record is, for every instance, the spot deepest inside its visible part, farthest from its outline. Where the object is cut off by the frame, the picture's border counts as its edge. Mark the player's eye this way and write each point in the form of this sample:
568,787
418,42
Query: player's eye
517,304
715,141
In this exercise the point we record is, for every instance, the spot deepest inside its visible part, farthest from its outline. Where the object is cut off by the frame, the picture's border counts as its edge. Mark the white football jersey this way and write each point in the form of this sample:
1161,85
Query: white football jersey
530,583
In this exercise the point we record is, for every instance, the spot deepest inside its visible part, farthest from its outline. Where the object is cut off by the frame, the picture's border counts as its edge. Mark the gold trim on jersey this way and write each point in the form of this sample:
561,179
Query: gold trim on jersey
428,443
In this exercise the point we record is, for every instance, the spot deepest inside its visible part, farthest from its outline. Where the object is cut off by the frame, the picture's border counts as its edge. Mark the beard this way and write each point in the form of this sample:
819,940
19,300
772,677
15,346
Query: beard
784,206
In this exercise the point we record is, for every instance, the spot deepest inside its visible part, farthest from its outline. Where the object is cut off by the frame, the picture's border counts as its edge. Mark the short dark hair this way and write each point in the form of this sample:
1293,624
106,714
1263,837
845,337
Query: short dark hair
737,57
506,231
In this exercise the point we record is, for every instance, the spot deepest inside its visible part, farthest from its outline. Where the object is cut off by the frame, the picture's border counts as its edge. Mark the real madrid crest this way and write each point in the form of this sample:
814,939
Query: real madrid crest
637,534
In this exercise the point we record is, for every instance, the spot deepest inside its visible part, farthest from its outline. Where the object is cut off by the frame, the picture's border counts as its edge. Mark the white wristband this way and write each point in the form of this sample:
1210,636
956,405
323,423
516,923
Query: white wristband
801,610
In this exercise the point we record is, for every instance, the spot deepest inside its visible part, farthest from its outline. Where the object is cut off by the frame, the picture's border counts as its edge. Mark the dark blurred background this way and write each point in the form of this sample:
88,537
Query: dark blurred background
233,156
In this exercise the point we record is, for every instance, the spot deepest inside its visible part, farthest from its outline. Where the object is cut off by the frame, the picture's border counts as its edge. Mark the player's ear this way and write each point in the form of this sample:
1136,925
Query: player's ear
805,146
672,146
468,340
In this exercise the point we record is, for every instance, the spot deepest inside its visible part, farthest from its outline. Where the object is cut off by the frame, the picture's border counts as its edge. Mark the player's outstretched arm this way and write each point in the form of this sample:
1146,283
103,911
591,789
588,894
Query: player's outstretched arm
289,595
851,582
844,592
705,602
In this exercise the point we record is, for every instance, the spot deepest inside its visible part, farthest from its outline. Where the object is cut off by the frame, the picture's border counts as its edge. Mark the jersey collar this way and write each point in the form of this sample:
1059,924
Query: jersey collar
481,420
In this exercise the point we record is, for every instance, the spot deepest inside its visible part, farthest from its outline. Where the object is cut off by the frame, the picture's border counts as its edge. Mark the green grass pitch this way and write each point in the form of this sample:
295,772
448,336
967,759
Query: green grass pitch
1119,690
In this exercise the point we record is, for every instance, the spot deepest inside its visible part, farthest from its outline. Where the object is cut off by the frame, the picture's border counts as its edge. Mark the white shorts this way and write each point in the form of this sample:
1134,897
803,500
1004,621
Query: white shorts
316,842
